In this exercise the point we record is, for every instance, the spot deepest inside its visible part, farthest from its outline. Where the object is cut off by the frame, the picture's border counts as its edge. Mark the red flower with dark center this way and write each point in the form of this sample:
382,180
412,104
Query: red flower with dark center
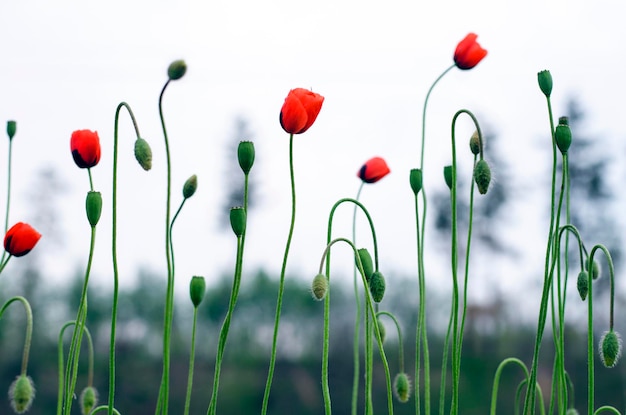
300,110
468,52
373,170
21,239
85,146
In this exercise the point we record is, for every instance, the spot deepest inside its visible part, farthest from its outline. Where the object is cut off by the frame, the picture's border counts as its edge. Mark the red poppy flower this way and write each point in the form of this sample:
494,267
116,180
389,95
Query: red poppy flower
300,110
468,52
373,170
85,146
21,239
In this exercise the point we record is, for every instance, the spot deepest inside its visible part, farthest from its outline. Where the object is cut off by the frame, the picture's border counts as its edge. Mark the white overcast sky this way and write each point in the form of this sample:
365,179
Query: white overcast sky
67,64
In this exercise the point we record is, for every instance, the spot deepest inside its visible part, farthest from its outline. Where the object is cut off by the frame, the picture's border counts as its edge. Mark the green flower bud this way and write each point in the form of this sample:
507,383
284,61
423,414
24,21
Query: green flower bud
143,153
572,411
583,284
88,400
482,176
319,287
190,186
11,129
21,394
245,154
595,268
381,329
415,179
377,286
197,287
563,135
238,220
176,70
545,82
447,176
475,143
93,205
366,261
610,348
402,387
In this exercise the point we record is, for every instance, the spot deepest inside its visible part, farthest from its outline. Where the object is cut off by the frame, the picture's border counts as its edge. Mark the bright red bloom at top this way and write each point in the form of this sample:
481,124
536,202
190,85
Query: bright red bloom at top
21,239
373,170
300,110
468,52
85,146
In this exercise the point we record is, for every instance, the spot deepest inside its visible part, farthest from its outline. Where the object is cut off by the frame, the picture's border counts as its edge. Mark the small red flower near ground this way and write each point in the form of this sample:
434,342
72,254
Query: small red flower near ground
373,170
468,52
21,239
300,110
85,146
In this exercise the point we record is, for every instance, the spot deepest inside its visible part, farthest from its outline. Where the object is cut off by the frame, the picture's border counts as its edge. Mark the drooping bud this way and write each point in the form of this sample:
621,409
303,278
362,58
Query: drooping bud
377,286
319,286
610,348
93,205
447,176
474,143
572,411
176,70
545,82
238,220
190,186
482,176
563,135
402,387
415,179
595,268
21,394
88,400
245,155
381,329
11,129
366,261
143,154
583,284
197,288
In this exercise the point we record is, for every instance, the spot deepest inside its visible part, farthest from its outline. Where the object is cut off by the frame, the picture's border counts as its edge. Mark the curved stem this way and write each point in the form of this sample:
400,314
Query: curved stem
400,342
357,319
496,379
29,328
60,361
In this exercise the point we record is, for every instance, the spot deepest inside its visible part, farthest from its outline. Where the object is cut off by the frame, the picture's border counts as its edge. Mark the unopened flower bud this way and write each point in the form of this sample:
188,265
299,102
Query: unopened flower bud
583,284
93,206
545,82
197,287
11,129
21,394
377,286
238,220
563,135
610,348
482,176
402,387
572,411
176,70
381,329
447,176
245,155
474,143
366,262
143,154
319,286
415,179
190,186
88,400
595,268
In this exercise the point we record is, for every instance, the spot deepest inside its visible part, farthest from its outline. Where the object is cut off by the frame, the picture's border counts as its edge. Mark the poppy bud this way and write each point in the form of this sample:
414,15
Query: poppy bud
381,329
20,239
300,110
373,170
563,135
402,387
377,286
415,179
197,287
366,262
93,206
238,220
595,268
468,52
319,286
11,129
22,394
88,400
190,186
475,143
85,147
545,82
610,348
572,411
245,155
447,176
482,176
582,284
143,154
176,70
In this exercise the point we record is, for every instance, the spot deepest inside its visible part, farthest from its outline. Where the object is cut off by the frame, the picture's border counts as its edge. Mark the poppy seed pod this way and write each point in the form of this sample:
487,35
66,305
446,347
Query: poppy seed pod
20,239
377,286
366,262
582,284
88,400
190,186
610,348
482,176
475,143
85,147
245,155
402,387
11,129
468,52
447,176
197,288
381,329
93,206
563,135
300,110
143,153
238,220
373,170
415,180
319,287
545,82
22,394
176,70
